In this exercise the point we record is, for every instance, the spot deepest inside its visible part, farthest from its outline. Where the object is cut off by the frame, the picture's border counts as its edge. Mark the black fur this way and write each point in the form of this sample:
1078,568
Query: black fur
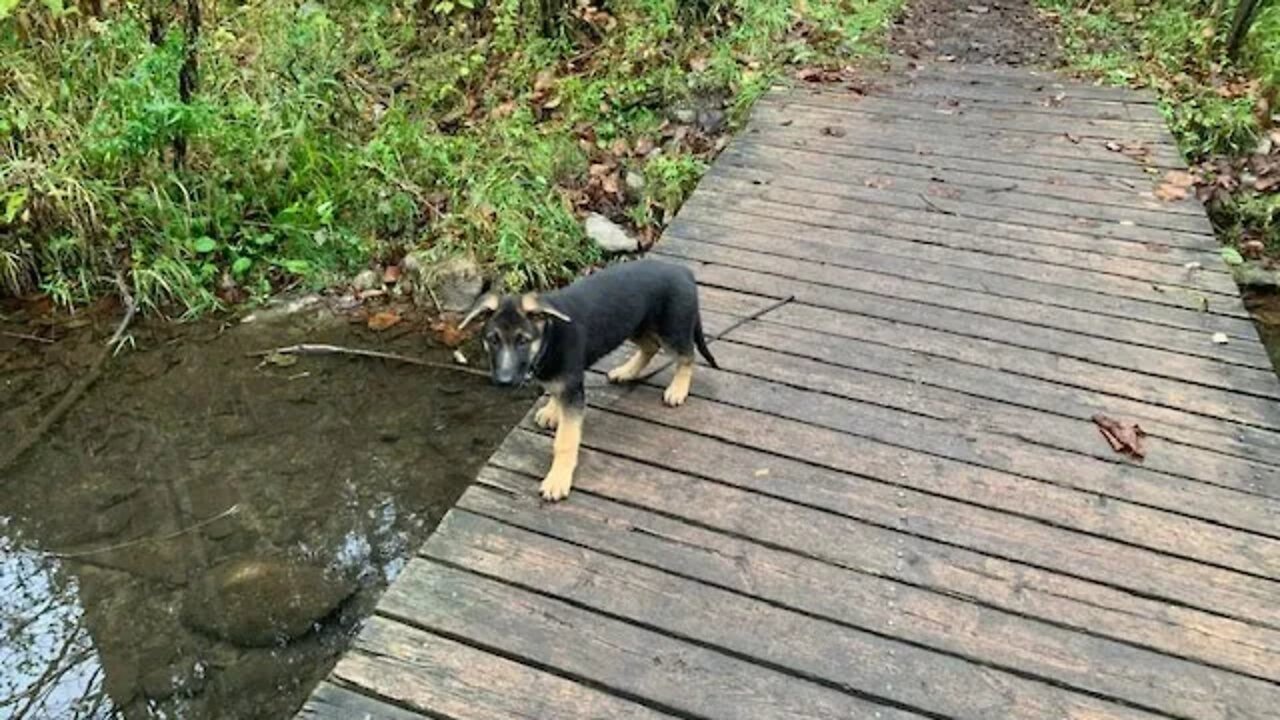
629,301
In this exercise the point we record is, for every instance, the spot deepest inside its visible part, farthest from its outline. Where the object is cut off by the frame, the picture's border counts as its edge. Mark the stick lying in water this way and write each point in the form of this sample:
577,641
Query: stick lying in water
321,349
80,386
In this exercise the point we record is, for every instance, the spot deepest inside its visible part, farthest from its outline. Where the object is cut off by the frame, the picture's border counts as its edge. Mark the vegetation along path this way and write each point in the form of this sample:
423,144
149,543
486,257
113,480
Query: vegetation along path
1012,450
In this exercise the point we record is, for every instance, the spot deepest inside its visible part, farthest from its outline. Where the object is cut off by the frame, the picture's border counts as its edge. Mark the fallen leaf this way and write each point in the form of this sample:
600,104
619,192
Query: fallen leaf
383,320
503,110
644,146
1124,438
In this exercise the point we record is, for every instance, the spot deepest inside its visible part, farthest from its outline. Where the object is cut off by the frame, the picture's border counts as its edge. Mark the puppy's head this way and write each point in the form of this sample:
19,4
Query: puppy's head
514,329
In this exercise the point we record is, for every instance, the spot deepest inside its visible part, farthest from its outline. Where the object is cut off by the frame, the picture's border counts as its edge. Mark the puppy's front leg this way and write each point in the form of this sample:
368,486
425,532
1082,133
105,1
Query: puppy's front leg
548,416
556,485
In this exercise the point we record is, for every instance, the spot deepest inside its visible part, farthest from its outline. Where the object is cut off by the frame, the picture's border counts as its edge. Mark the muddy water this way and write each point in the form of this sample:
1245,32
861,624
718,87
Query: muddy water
202,533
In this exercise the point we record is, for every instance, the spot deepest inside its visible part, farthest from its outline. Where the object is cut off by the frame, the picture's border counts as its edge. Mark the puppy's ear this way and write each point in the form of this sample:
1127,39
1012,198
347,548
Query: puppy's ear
532,306
486,303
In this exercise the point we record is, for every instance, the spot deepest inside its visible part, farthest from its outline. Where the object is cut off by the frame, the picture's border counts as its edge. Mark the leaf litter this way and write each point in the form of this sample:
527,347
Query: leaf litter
1123,437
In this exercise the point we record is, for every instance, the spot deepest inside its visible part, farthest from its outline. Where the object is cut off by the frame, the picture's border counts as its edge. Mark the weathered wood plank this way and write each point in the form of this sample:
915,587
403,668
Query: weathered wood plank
991,205
332,702
835,652
976,380
772,351
1093,176
1162,513
620,656
1020,81
1209,382
891,107
946,267
947,291
855,597
948,214
852,519
442,677
942,131
1258,411
760,155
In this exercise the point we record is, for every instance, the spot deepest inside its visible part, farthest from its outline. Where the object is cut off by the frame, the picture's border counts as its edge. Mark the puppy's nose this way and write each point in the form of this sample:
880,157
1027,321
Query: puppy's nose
504,378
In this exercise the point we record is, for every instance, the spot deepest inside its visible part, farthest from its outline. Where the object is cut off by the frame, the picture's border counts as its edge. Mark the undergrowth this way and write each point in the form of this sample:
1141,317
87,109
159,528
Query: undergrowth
311,139
1220,110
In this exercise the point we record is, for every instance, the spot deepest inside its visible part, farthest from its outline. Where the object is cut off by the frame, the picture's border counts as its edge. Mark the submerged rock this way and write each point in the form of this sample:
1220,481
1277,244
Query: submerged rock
259,602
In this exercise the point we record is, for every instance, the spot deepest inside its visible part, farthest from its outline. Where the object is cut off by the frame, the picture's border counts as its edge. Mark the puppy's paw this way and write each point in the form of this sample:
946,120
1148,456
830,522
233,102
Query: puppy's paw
548,416
620,374
675,394
555,486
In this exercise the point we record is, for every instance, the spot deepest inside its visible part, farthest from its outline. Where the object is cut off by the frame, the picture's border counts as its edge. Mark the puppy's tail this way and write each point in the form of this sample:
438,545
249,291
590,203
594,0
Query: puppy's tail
701,342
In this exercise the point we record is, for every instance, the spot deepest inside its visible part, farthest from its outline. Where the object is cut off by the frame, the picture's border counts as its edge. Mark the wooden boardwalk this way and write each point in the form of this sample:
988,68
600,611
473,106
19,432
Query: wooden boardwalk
892,501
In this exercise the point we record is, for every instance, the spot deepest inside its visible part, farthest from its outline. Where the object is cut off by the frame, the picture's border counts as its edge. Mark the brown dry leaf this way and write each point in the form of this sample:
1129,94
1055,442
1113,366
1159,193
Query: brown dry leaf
503,110
1124,438
644,146
544,80
611,184
619,147
383,320
448,332
1175,186
1266,183
699,64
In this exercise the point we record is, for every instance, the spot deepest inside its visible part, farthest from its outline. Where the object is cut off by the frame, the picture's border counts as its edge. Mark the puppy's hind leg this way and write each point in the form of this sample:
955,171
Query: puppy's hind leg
631,369
678,390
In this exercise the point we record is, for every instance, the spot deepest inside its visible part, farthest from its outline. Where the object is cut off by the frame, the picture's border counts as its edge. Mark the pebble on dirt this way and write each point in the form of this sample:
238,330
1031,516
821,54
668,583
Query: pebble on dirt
608,235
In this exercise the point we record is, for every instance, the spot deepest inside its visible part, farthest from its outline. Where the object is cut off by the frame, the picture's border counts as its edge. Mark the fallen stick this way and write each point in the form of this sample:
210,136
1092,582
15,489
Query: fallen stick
27,336
322,349
79,387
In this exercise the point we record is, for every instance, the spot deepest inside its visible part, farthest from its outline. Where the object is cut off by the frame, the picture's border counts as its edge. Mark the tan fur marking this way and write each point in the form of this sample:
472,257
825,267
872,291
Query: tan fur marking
556,485
678,390
548,416
631,369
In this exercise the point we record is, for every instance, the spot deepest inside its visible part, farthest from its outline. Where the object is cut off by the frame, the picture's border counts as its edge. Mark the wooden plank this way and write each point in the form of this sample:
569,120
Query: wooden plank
1207,381
442,677
1215,402
834,652
991,205
883,205
1064,102
943,131
855,531
1135,261
1023,153
667,672
945,290
770,351
1020,81
951,268
889,106
862,599
1159,512
760,154
331,702
976,380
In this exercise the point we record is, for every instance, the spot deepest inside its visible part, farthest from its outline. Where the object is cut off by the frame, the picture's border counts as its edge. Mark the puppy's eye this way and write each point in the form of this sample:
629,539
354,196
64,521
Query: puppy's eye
491,338
522,340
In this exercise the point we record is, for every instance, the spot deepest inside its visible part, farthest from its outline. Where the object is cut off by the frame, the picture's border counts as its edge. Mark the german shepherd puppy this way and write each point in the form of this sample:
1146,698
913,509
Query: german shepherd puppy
554,337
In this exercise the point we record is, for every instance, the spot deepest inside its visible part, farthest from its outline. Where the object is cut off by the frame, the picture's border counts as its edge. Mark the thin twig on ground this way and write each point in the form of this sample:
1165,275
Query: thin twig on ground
930,205
324,349
159,538
27,336
80,386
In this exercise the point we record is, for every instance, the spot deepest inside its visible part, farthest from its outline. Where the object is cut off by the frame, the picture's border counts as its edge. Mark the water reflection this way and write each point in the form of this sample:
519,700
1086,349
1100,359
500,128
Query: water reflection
48,665
199,538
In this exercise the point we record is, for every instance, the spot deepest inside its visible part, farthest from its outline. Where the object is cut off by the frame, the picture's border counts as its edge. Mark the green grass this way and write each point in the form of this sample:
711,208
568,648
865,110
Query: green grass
323,136
1177,47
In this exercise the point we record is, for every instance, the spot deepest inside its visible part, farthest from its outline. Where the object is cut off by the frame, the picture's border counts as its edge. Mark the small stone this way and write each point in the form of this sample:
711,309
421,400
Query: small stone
608,235
454,282
635,182
261,602
365,280
711,121
1254,274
